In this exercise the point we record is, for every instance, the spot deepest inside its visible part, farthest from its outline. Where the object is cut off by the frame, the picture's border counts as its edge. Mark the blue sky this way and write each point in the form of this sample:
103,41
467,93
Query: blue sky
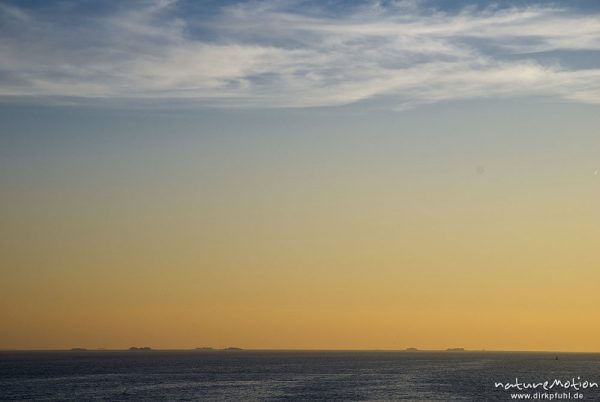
272,54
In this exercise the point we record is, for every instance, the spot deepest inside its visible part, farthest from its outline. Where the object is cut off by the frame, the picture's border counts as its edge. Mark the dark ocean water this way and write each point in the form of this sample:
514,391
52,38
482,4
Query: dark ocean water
284,375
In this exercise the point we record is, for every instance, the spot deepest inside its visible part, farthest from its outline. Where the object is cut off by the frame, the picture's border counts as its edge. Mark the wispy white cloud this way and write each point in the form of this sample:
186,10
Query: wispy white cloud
278,54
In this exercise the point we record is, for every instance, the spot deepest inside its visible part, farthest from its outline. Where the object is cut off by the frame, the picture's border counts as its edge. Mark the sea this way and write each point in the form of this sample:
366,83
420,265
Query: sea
251,375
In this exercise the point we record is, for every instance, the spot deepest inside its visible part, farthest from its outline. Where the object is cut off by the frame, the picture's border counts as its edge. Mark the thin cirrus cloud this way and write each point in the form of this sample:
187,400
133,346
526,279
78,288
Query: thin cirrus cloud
297,54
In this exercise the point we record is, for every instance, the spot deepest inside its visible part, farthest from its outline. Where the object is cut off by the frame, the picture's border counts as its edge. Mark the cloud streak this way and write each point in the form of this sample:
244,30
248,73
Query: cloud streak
294,54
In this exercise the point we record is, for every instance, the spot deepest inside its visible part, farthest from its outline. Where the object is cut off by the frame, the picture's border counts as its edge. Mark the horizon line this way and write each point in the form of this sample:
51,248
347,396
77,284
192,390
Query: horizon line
238,349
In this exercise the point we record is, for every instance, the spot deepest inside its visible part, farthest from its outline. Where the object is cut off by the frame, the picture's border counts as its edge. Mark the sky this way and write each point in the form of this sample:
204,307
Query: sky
300,174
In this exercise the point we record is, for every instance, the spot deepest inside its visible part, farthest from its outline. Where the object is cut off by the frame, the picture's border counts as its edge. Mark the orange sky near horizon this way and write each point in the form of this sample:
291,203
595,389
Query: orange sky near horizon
324,240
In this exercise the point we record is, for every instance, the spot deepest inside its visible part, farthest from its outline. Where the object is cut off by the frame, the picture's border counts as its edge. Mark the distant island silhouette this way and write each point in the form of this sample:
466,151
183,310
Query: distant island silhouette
234,349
